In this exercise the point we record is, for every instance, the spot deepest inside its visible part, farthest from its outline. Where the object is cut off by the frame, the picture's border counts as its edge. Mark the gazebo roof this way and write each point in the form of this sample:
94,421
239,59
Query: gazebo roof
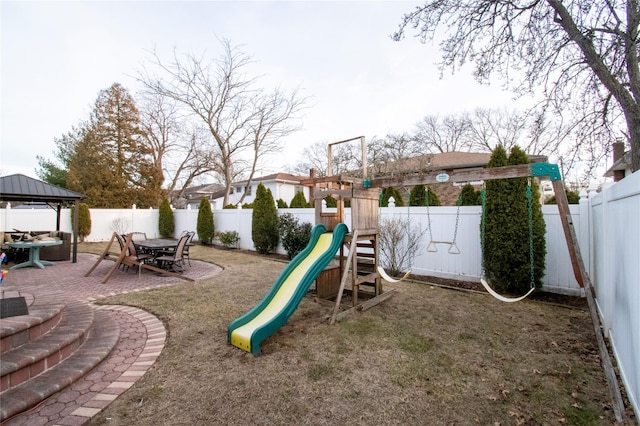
19,187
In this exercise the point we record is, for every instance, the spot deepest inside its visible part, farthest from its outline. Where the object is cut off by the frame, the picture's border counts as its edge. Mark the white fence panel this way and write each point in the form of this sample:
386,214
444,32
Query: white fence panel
185,220
559,276
615,274
33,219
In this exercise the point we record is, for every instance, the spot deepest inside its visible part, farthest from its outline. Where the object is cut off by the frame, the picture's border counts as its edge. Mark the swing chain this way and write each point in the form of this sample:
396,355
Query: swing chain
429,216
532,281
455,230
483,198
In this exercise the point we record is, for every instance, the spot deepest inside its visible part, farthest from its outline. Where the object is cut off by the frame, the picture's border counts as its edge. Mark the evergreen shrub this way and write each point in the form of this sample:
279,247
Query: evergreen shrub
166,224
205,227
293,234
84,220
391,192
264,221
298,201
506,229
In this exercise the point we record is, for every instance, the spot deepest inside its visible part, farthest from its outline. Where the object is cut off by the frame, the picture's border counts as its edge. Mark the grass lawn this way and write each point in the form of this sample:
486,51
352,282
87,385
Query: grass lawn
428,355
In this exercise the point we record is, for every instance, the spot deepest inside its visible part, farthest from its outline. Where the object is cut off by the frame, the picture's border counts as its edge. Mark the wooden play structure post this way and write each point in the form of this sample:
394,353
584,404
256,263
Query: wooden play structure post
362,240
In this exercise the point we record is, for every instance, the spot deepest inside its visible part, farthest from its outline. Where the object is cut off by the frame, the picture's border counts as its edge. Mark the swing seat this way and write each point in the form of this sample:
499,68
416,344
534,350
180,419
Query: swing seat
387,278
503,298
453,247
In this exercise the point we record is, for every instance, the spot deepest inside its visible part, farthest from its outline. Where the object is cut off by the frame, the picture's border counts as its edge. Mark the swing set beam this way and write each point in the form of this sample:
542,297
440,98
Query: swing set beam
541,170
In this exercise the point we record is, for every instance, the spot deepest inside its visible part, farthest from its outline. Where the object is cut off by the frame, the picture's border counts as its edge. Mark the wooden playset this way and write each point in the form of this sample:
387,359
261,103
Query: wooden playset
364,198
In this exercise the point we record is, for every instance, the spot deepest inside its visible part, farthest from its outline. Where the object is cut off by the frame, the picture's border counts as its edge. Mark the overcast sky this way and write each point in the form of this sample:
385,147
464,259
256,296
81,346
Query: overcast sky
57,56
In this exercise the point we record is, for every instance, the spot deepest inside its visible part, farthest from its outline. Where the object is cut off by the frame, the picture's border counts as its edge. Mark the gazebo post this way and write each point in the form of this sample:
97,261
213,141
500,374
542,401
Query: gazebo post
74,251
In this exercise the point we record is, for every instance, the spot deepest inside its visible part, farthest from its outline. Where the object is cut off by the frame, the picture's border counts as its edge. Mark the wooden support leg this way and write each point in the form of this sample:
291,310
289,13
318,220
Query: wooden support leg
343,281
584,281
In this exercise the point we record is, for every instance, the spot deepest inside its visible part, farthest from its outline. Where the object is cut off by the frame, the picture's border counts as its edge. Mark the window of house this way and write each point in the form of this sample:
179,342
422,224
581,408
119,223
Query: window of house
238,189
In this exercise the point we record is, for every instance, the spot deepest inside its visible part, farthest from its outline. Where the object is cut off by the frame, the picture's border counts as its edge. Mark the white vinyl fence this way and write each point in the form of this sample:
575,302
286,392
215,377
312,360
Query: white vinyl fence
607,225
614,268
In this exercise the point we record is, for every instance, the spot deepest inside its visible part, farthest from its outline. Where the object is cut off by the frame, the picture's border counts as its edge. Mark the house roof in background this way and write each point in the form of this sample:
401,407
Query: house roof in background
19,187
280,177
622,164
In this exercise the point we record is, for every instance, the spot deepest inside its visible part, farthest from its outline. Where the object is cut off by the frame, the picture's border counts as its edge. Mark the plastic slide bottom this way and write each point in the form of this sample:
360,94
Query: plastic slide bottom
274,310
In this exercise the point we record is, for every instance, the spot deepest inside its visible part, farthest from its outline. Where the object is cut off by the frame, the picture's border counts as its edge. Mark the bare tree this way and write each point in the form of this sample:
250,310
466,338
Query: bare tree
399,244
580,53
273,119
447,134
315,156
492,127
224,99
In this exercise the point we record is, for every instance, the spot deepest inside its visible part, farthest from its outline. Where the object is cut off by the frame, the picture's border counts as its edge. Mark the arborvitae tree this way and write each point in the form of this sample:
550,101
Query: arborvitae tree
84,220
418,196
469,196
298,201
264,221
331,202
391,192
432,198
205,228
539,228
166,223
506,229
281,204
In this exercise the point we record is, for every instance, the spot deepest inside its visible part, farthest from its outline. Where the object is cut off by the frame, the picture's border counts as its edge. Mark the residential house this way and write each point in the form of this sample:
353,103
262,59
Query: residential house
192,195
282,185
621,162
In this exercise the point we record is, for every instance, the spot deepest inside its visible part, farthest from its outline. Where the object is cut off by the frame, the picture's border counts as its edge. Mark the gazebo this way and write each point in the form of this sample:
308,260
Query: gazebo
24,189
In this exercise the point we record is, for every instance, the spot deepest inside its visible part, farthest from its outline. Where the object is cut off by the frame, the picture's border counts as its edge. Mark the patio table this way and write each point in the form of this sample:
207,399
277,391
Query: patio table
34,252
155,245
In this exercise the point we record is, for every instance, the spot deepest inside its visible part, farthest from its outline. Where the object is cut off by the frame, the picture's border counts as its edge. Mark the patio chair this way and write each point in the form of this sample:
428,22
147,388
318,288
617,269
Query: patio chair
129,258
137,236
132,257
173,259
190,236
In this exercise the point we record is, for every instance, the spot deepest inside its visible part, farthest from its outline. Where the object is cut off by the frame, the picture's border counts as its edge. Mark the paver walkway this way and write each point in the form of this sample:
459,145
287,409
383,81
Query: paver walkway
142,335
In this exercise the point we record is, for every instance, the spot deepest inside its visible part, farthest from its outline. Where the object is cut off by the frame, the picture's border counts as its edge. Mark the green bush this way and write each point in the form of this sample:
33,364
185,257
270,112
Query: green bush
84,220
469,196
205,227
572,197
432,198
264,221
247,206
166,224
282,204
228,238
230,206
506,251
298,201
331,202
294,236
418,196
391,192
